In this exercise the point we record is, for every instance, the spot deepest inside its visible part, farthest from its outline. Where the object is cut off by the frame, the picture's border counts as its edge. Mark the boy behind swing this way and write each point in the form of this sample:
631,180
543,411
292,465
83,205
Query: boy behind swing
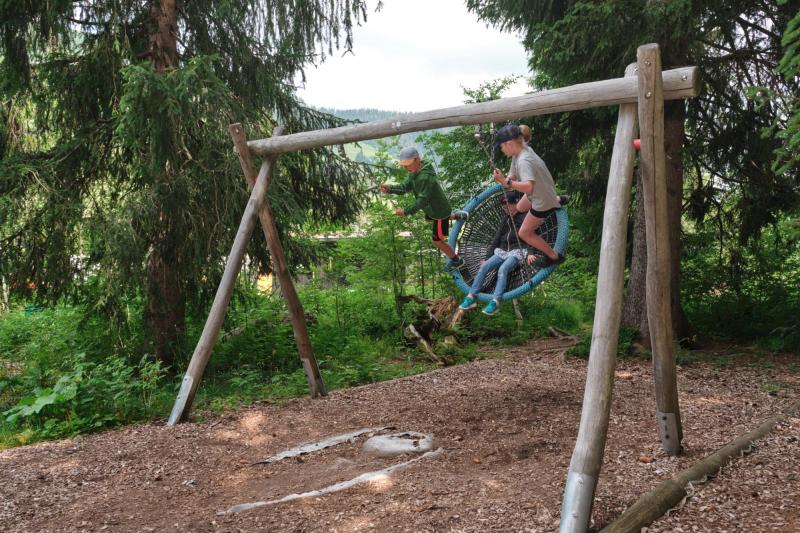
428,198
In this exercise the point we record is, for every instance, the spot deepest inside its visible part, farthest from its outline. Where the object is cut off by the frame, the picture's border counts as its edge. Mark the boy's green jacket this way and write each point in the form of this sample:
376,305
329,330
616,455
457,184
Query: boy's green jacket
428,194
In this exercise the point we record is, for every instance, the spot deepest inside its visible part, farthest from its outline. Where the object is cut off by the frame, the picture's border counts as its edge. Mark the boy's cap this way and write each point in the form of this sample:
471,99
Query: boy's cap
507,133
510,197
407,155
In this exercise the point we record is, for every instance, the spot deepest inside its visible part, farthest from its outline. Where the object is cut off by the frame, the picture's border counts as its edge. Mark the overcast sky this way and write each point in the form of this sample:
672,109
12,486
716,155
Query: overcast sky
414,55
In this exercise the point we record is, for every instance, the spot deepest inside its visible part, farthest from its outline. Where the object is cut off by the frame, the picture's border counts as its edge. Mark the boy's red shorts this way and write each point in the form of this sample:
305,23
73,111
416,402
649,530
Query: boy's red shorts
441,227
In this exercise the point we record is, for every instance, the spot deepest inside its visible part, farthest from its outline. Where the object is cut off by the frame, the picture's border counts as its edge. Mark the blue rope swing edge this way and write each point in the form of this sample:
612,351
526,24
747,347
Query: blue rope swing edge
562,221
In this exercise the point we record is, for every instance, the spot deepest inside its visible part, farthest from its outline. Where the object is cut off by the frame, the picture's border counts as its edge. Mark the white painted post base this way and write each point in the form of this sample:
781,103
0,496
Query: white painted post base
576,510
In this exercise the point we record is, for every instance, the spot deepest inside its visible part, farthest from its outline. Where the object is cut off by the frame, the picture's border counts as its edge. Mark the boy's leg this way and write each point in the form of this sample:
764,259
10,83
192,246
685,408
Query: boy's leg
441,228
445,248
527,232
490,264
503,272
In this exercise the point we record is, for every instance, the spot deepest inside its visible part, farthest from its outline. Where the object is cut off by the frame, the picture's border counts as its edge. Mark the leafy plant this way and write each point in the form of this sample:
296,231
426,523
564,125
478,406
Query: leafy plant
90,396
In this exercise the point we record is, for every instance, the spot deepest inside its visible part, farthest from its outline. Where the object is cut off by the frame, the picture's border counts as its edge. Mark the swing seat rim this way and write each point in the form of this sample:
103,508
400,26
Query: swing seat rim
562,222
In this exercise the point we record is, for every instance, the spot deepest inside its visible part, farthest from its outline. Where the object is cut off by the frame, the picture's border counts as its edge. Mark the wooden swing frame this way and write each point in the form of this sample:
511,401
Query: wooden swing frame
640,94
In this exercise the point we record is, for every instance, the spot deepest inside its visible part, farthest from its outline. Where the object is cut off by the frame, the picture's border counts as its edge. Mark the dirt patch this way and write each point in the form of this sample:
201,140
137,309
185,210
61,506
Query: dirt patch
507,427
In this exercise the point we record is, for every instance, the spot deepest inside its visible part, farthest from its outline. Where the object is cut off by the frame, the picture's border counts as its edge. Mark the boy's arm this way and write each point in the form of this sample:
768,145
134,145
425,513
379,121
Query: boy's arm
402,188
397,189
422,199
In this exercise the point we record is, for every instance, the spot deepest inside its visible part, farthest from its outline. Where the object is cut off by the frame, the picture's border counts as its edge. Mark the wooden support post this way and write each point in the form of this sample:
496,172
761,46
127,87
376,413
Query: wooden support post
216,315
517,312
281,269
654,184
587,458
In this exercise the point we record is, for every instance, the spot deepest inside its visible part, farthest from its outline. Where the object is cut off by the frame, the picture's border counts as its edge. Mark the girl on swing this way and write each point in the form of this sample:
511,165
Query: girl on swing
529,175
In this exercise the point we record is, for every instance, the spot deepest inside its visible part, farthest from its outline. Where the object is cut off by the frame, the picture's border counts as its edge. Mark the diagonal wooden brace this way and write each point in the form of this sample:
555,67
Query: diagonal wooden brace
202,352
281,268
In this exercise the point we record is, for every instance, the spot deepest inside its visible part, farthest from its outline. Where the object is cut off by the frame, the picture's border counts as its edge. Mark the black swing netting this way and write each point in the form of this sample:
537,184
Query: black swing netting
476,236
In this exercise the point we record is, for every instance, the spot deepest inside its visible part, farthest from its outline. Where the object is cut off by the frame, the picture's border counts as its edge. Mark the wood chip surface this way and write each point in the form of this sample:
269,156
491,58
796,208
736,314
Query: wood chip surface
507,426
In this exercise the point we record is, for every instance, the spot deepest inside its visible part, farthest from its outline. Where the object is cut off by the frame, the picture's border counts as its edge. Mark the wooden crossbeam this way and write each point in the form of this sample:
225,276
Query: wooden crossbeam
678,83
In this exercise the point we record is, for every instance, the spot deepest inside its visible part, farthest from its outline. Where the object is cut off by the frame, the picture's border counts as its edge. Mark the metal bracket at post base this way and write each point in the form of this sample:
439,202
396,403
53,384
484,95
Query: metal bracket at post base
180,402
668,431
576,509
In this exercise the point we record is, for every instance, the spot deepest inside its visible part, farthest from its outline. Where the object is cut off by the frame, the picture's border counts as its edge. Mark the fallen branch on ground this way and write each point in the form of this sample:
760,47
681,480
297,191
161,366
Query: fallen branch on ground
363,478
412,333
670,492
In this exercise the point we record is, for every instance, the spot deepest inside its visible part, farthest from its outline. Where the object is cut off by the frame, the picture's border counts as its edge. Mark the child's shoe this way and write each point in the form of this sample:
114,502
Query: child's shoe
470,302
456,263
491,308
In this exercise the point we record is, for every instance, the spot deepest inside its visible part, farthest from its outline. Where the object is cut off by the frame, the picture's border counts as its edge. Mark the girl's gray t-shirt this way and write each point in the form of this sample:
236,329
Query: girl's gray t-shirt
527,166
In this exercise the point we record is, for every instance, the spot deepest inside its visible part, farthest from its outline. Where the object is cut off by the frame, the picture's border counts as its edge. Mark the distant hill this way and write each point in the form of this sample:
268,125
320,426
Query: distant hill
365,151
363,114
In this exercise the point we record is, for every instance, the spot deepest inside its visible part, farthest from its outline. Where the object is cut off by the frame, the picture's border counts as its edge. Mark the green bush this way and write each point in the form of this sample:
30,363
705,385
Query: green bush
258,335
41,339
88,397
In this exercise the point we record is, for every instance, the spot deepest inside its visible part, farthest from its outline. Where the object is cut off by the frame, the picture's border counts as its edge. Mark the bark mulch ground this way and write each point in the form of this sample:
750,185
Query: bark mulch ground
507,426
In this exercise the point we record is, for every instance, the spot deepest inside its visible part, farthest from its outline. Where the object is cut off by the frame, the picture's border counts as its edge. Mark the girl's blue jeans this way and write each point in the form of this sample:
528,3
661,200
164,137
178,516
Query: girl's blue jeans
504,268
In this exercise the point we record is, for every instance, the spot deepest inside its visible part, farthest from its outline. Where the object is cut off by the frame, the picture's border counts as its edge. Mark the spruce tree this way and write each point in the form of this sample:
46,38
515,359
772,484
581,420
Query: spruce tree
736,44
117,176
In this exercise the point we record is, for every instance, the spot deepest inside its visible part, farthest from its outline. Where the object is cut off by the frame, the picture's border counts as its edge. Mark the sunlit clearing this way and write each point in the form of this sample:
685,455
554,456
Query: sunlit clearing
227,434
253,422
492,484
381,483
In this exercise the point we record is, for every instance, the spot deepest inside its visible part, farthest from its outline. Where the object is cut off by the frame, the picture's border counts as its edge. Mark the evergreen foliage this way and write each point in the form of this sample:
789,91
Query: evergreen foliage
789,154
117,172
736,45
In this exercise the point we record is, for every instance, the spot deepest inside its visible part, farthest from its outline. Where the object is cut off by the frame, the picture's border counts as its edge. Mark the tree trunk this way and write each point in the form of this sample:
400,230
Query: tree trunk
634,307
634,310
163,40
674,134
166,310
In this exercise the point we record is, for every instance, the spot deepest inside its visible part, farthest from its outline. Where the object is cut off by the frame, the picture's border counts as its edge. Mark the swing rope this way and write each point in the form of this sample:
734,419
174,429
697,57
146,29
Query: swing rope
490,157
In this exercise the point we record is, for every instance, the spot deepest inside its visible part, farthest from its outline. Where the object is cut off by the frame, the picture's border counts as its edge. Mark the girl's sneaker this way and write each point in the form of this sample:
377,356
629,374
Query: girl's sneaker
491,308
545,262
468,303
